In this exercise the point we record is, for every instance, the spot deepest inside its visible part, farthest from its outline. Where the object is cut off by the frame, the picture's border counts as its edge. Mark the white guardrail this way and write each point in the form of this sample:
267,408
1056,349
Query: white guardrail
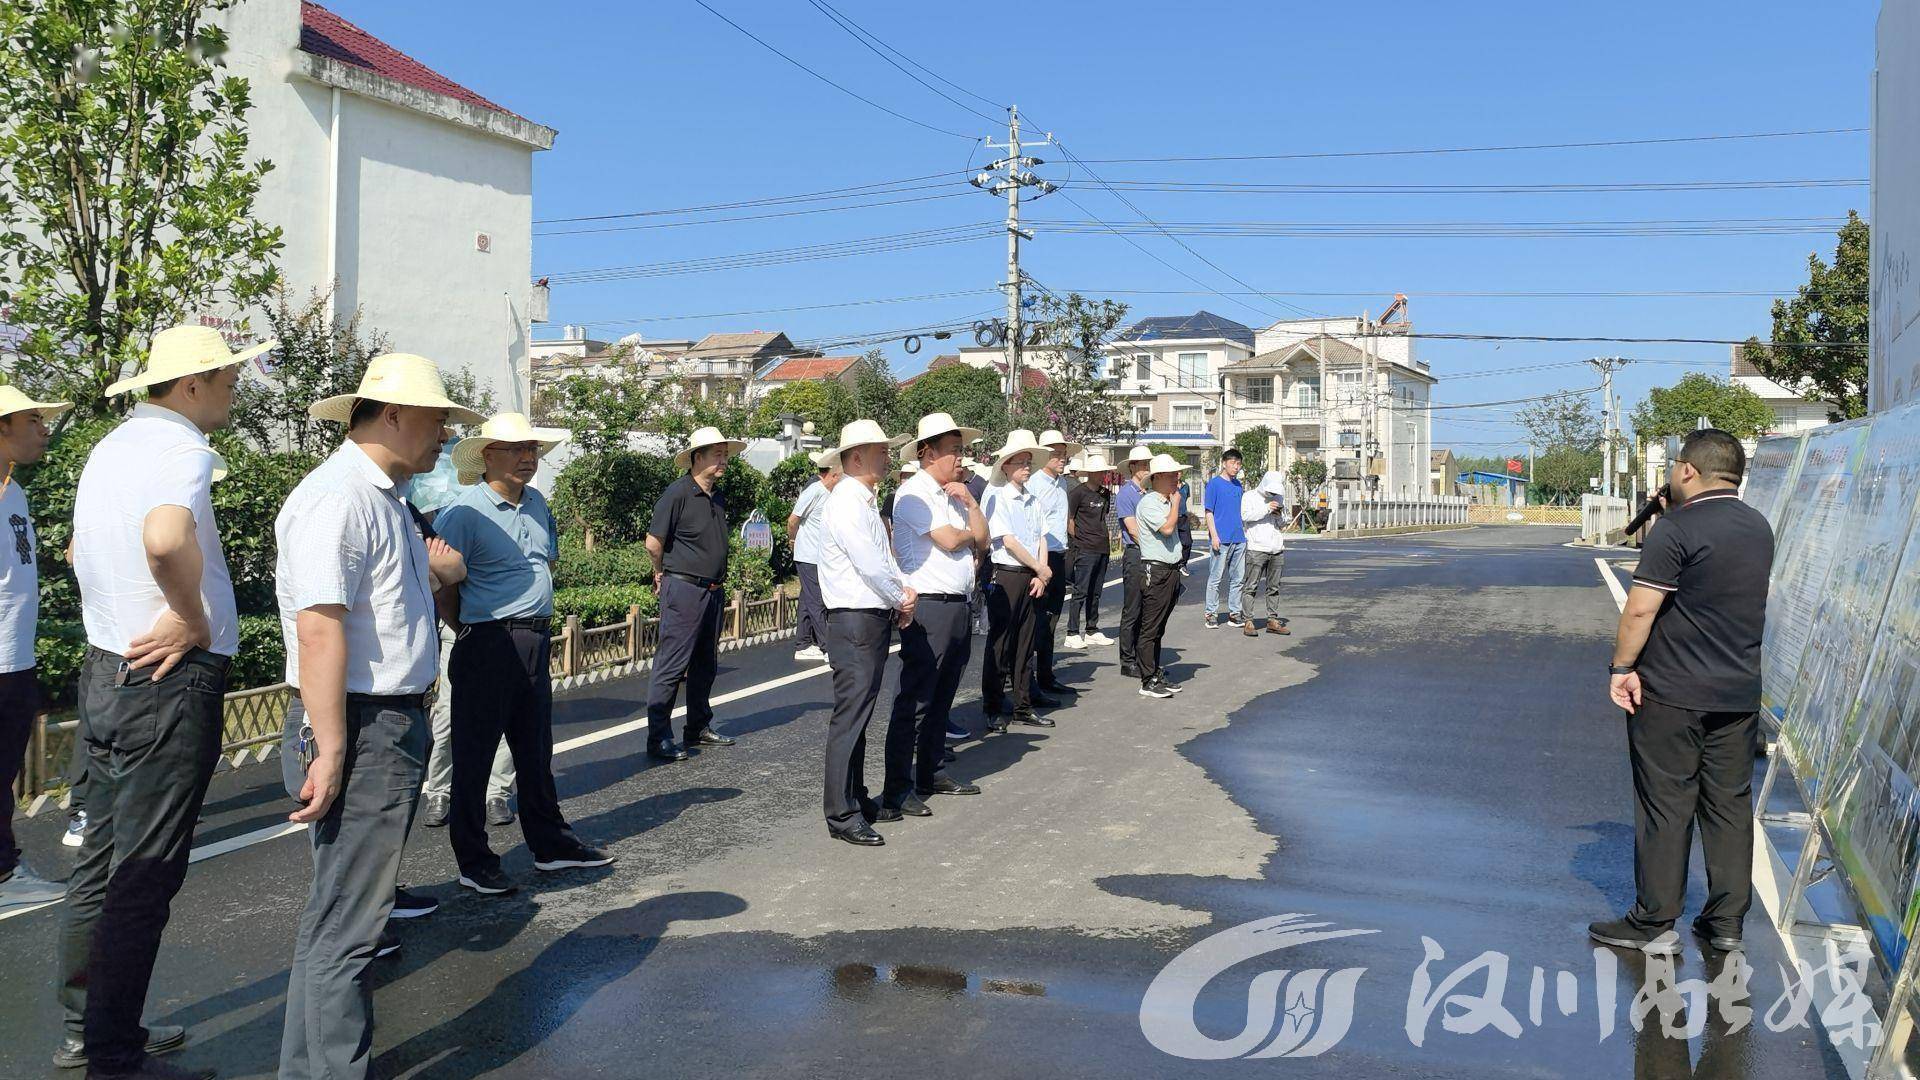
1602,514
1352,513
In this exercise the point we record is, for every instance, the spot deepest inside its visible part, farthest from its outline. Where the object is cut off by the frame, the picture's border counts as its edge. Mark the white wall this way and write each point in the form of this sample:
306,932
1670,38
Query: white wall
1894,374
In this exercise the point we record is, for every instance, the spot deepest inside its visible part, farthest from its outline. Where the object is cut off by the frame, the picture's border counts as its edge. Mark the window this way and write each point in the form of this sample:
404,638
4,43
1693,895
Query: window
1189,418
1142,367
1193,369
1257,389
1349,437
1349,377
1143,417
1306,392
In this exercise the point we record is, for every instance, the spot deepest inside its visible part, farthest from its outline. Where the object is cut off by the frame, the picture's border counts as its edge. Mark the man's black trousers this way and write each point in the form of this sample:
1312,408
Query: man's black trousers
933,655
1159,592
1047,616
857,644
812,627
689,653
19,699
1089,570
503,685
1132,580
1010,618
1689,765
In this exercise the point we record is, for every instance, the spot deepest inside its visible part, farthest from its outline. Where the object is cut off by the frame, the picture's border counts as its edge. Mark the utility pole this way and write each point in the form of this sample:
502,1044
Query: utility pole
1006,177
1608,421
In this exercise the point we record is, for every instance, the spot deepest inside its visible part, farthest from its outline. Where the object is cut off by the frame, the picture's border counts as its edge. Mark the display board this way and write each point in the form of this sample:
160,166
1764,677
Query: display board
1893,367
1867,547
1804,537
1770,473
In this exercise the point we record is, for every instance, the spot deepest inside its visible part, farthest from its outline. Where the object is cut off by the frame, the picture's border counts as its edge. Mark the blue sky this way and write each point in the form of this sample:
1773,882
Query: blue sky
662,105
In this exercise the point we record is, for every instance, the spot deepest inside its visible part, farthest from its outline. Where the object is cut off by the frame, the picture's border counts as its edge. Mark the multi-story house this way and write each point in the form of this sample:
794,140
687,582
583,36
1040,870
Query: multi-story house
1169,371
844,370
720,366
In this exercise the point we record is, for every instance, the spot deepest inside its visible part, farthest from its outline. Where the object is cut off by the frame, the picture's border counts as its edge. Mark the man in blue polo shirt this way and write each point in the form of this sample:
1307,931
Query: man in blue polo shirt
1227,539
501,665
1126,505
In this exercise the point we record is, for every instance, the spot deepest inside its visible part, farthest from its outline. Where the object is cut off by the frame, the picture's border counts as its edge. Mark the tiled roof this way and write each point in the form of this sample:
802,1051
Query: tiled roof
796,369
740,344
1200,324
1031,378
1331,347
324,33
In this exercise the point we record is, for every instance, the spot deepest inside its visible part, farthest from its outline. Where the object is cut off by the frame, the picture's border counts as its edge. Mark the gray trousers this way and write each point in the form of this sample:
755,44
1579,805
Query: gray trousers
328,1032
857,643
1263,579
812,628
440,761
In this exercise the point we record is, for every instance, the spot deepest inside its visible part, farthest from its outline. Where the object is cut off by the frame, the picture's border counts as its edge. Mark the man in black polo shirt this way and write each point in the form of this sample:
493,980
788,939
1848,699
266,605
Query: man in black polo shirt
1087,549
1686,668
687,540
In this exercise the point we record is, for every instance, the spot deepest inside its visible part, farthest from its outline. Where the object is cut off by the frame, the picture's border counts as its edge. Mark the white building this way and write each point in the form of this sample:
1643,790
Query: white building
412,192
1170,372
1792,412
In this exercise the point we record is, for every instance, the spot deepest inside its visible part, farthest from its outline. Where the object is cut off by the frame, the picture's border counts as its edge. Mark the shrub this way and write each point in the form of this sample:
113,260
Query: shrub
748,570
609,498
789,478
263,653
624,564
604,605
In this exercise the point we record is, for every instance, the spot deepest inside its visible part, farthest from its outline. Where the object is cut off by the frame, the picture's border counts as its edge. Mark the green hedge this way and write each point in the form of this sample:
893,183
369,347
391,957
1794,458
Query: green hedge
604,605
606,564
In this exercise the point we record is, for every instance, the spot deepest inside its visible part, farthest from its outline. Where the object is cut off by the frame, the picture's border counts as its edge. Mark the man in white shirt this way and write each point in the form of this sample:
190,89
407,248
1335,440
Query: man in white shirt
803,532
865,596
356,596
937,527
162,629
1264,509
1049,484
23,439
1017,531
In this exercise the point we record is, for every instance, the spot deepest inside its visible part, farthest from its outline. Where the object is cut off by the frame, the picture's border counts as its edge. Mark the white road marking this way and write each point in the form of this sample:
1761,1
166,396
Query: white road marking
273,832
1613,583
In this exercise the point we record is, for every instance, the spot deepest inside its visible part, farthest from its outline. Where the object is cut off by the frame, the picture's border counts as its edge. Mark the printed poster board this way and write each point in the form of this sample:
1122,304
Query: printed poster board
1770,473
1804,539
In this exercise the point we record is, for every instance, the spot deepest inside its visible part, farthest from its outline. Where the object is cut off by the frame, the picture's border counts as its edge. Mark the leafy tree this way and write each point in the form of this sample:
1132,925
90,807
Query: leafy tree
876,394
1307,476
1076,399
1820,336
1677,409
1561,421
971,394
608,496
1252,444
319,356
1466,465
826,402
601,410
789,478
126,192
1563,474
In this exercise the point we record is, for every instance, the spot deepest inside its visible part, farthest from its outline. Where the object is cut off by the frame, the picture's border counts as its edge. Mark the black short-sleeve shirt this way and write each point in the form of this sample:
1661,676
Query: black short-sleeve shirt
691,526
1711,556
1087,507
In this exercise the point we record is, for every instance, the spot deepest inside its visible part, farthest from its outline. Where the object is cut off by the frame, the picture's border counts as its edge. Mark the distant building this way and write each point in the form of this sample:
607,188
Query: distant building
1442,473
844,370
1032,378
1793,411
1492,488
1168,372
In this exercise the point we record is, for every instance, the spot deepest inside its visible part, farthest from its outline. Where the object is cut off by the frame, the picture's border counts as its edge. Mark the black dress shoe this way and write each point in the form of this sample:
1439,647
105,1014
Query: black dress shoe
947,785
1057,687
665,751
1624,933
1031,719
997,723
1042,701
860,835
161,1039
1131,671
911,806
1722,942
887,813
709,737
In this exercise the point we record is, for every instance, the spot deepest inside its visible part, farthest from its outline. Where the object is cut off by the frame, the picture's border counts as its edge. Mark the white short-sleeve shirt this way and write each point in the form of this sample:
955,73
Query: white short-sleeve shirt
808,507
1016,513
919,507
345,537
156,458
19,582
856,565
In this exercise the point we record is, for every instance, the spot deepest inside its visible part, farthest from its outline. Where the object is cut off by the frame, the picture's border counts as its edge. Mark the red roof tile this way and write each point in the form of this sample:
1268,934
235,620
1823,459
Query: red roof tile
323,33
812,367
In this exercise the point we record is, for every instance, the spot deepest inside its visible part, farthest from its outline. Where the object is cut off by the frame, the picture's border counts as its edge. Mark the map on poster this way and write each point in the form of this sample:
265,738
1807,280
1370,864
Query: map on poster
1804,537
1770,474
1871,537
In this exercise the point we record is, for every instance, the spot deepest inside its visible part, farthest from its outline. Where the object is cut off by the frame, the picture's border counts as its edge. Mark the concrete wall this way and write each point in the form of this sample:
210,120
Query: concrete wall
1894,370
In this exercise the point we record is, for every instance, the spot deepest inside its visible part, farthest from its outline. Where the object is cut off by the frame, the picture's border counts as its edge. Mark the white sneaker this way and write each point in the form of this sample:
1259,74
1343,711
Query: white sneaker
1098,640
76,833
811,653
1074,641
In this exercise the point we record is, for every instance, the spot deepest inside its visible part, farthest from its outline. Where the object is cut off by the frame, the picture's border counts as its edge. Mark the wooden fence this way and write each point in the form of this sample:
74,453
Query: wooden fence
255,718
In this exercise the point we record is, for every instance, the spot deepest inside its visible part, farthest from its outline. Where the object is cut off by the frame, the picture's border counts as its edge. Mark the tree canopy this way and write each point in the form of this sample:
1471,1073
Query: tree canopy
971,394
1820,335
1676,409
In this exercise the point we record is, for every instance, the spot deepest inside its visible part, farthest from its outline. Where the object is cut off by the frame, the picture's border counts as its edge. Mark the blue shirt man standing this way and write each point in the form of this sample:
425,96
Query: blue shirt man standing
1227,539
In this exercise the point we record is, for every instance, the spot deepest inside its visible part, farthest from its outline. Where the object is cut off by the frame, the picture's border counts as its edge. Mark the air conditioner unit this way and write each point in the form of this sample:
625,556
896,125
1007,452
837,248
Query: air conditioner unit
1346,468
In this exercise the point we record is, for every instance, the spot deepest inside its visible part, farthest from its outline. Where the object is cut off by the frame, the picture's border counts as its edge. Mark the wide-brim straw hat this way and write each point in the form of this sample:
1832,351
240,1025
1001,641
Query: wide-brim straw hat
179,351
1053,437
703,438
934,425
908,468
1092,462
980,469
13,401
1165,463
1139,453
469,454
1019,441
819,459
861,433
396,379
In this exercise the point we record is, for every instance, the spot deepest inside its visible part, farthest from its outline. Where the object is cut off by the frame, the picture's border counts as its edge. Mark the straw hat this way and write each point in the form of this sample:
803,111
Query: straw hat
908,468
396,379
860,433
819,459
1165,463
934,425
1019,441
1092,462
1053,437
507,427
1139,453
13,401
186,350
980,469
703,438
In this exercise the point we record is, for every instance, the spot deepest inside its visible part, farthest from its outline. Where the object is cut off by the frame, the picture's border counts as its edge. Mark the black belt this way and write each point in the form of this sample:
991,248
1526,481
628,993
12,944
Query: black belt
1000,569
948,597
540,623
859,611
698,582
381,701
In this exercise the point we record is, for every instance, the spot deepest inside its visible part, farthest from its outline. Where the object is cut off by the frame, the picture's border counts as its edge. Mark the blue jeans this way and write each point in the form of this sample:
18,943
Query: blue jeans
1229,567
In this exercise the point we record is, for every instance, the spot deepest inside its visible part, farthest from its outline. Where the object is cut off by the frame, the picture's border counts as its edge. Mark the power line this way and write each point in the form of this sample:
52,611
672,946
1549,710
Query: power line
857,97
859,34
1592,144
749,217
879,187
1409,230
635,320
1257,188
876,39
1580,294
776,256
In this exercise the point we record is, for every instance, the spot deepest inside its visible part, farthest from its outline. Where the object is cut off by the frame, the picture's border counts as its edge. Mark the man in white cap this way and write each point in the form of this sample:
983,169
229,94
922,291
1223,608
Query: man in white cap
162,629
937,527
23,440
1159,516
1126,506
687,540
356,591
502,664
1050,496
1264,509
803,532
866,597
1018,532
1087,549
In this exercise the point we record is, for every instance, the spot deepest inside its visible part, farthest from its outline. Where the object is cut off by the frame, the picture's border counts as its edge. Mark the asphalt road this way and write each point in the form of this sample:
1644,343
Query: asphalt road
1428,763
